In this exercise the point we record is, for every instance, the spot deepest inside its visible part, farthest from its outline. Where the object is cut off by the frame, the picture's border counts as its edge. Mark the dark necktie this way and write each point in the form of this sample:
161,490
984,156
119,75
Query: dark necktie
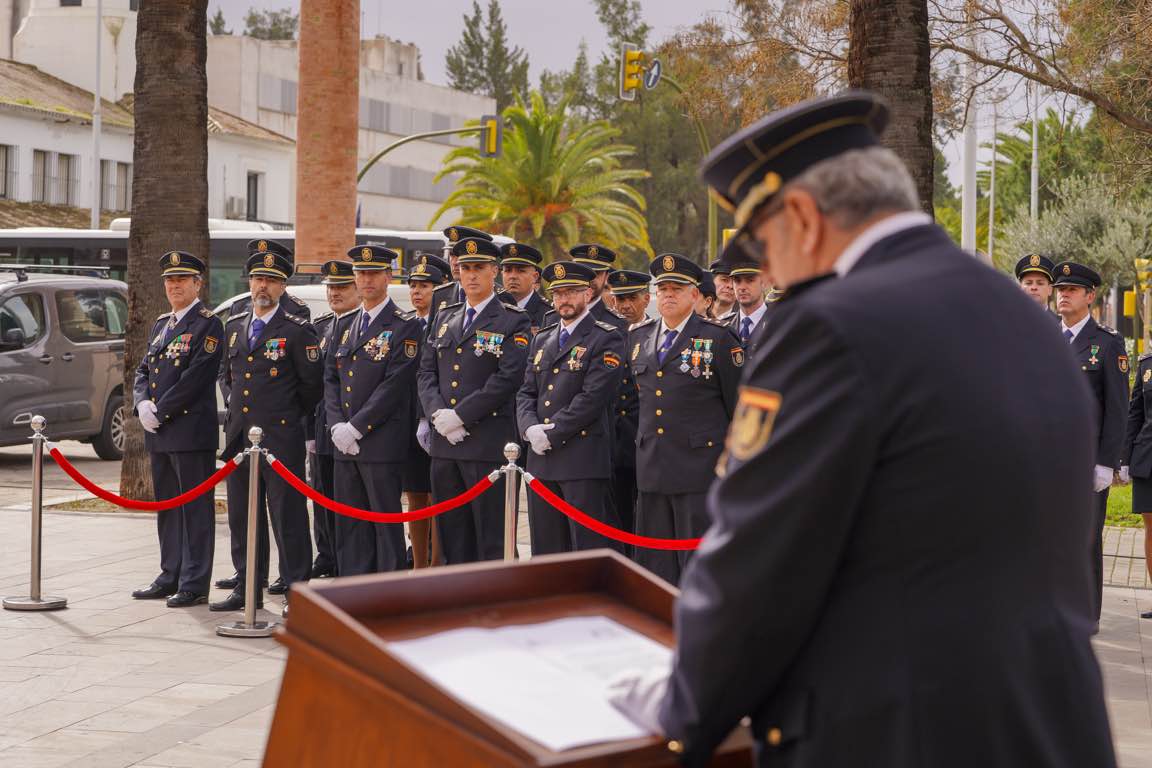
745,329
563,338
1069,335
669,337
469,316
365,321
168,329
254,332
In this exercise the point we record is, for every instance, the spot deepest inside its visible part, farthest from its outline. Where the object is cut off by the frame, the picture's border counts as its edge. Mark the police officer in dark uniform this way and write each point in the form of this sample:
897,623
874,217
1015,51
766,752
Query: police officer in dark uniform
520,270
687,368
294,304
471,368
706,306
174,399
600,259
725,294
450,292
848,633
564,411
342,298
751,307
631,293
429,272
368,396
1102,356
275,375
1137,454
1034,273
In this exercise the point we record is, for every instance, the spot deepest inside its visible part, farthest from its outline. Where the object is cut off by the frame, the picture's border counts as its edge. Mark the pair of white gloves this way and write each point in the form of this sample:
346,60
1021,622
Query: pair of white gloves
146,412
445,421
345,437
537,437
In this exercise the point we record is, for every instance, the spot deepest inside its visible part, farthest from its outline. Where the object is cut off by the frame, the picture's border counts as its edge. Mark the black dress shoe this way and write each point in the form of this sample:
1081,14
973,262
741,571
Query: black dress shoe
228,583
277,587
186,599
234,602
322,571
153,592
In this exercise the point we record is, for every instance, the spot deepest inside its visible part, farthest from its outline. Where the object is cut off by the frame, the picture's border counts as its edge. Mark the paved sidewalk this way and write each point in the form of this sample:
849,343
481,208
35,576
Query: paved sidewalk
112,682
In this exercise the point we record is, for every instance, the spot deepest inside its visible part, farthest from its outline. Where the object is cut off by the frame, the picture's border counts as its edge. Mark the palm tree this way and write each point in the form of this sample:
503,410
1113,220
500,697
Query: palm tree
558,181
888,52
169,181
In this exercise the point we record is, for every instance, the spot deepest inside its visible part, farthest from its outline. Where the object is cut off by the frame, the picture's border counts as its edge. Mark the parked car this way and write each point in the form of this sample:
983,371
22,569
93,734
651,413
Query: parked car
62,355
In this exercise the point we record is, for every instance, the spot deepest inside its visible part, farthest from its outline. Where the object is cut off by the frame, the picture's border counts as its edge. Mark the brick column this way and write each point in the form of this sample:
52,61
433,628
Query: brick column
327,129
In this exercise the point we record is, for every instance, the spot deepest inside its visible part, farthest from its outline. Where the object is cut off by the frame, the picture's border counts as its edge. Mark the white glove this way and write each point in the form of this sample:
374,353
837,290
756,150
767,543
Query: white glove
1125,475
344,437
537,435
456,436
638,695
146,412
310,446
424,435
445,420
1103,478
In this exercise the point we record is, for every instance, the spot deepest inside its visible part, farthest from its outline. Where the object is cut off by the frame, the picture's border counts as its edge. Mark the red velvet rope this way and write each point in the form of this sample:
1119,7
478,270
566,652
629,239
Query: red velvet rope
378,517
648,542
146,506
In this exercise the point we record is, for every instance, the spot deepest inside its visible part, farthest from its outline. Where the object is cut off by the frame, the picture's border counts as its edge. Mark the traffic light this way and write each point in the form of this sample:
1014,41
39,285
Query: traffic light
631,71
1143,275
1129,303
491,136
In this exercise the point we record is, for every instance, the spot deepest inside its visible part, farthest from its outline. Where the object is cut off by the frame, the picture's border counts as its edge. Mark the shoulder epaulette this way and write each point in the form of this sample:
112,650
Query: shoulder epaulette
405,315
605,326
166,314
452,306
512,307
324,316
1144,356
715,322
442,286
643,324
1107,329
553,325
205,312
295,318
298,302
239,316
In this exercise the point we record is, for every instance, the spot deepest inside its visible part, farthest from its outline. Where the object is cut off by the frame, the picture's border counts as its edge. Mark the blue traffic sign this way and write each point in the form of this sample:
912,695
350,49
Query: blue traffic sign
652,76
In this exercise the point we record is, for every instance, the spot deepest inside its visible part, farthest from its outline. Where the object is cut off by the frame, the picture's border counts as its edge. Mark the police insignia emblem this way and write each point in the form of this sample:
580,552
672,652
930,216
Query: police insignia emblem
269,260
347,333
313,353
423,258
420,269
1122,361
453,235
1034,260
1067,269
210,344
232,339
262,246
366,254
593,251
752,422
443,330
738,357
410,347
771,182
1148,375
470,247
540,355
636,351
560,271
174,259
669,263
273,372
512,250
333,269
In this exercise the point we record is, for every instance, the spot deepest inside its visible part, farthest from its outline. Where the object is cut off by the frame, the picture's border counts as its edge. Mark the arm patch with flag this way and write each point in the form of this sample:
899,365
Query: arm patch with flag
611,360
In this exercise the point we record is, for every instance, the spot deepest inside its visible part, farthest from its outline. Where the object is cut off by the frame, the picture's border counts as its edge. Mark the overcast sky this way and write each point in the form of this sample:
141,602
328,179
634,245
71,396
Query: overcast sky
436,25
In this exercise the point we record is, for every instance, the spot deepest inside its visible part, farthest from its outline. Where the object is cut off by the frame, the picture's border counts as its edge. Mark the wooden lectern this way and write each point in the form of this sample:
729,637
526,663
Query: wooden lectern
347,701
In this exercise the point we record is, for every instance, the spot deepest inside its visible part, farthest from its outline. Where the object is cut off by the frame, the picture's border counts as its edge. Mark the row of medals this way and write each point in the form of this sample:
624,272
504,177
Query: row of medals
698,351
488,342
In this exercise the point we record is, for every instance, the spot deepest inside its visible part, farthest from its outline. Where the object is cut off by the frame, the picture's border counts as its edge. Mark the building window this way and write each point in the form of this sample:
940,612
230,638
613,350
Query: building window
67,179
253,211
7,172
115,185
133,5
70,3
39,176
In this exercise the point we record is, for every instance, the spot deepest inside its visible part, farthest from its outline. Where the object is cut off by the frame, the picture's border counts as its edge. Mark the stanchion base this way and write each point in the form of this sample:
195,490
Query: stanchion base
242,629
34,604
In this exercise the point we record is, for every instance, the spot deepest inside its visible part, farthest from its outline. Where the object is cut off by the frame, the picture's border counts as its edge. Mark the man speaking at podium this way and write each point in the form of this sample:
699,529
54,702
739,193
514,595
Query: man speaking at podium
894,574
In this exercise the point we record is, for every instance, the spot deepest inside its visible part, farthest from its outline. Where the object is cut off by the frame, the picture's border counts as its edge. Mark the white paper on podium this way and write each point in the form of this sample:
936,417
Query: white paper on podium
549,681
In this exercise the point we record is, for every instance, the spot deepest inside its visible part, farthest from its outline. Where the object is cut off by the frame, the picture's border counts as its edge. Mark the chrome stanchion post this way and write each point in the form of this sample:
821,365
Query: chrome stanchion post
35,601
250,627
511,500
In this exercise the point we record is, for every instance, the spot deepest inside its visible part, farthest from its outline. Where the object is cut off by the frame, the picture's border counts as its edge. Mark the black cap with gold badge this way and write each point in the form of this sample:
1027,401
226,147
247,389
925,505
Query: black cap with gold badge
720,267
749,167
457,233
337,272
518,253
372,257
625,281
707,283
594,255
263,245
270,263
742,265
674,268
1034,262
474,250
568,274
180,263
1071,273
429,268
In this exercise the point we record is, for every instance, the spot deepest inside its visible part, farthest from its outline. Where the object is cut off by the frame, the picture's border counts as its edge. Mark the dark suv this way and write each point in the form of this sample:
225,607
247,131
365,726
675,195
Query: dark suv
62,355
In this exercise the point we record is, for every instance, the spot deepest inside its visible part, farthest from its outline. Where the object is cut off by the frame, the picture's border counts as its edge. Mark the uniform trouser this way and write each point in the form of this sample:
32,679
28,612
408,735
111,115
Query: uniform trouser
363,547
474,531
1100,513
323,519
187,533
553,531
288,512
669,516
624,494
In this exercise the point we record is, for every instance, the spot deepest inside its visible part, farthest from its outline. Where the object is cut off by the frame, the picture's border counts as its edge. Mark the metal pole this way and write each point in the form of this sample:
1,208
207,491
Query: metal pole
1034,200
96,118
250,627
511,500
992,191
35,601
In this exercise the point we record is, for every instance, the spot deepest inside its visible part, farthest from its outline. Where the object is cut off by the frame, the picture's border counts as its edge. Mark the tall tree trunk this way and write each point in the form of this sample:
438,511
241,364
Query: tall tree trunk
888,53
169,182
327,129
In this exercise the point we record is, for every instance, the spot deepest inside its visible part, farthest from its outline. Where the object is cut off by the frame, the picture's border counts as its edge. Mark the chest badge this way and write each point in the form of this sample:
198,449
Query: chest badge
540,355
1148,375
576,358
490,342
1092,359
178,346
377,348
275,349
636,351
